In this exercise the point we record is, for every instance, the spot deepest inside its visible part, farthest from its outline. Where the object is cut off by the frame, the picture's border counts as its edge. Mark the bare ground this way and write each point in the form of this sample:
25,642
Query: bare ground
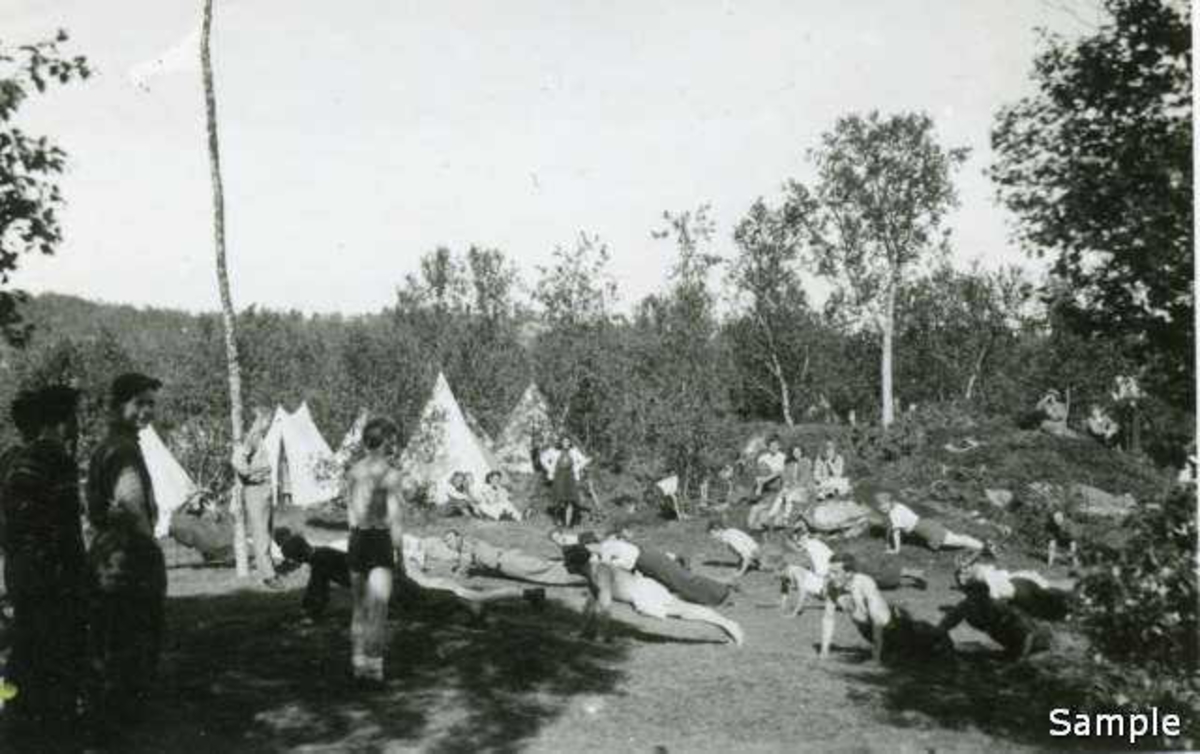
241,674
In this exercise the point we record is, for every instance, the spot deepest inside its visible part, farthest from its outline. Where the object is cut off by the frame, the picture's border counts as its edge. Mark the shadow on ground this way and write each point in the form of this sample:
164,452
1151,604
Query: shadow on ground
243,675
976,689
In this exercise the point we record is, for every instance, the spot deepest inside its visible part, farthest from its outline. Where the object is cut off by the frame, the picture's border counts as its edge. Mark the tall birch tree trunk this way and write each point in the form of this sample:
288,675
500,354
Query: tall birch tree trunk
888,328
241,556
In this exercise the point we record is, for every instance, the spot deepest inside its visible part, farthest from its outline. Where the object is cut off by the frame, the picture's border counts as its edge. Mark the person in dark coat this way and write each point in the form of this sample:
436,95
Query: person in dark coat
45,560
127,572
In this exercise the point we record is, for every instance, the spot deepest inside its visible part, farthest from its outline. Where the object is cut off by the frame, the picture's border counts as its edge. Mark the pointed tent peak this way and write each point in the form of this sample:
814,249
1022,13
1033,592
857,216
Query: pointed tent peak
531,415
353,435
443,441
173,487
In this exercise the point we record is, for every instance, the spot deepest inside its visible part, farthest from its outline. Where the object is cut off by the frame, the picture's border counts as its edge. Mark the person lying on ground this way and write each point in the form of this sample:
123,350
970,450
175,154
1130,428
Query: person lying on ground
748,551
494,502
802,581
1003,621
618,549
891,631
476,555
608,584
902,520
1029,590
328,565
829,473
770,468
1064,533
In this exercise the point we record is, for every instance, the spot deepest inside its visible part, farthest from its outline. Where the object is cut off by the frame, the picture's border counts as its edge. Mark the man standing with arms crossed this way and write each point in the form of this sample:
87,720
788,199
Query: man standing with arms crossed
376,536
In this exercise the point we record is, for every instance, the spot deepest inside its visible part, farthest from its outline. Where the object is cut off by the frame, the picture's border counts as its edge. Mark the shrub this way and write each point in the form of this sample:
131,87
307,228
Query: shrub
1138,606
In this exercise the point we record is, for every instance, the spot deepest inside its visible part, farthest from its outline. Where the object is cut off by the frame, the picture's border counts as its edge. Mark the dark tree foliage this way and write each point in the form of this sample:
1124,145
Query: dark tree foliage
1097,167
29,194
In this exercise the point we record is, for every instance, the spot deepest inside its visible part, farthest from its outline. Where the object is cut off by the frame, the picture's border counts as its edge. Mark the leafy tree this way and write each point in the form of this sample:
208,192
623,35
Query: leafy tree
578,356
1097,167
683,367
875,213
775,317
1138,607
29,196
958,329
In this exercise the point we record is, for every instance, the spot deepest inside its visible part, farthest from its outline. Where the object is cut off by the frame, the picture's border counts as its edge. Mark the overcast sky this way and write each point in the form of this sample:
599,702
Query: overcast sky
358,135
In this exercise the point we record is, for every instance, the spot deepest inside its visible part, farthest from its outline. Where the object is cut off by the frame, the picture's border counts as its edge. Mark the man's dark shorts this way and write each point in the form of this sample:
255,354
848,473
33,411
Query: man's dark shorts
370,549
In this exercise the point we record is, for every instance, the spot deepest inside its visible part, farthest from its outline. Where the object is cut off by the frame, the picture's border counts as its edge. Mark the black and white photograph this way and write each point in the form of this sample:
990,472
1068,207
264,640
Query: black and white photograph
557,376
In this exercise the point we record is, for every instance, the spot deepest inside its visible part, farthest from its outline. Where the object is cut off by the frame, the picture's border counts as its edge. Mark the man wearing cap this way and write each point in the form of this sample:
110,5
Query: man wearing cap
45,568
128,573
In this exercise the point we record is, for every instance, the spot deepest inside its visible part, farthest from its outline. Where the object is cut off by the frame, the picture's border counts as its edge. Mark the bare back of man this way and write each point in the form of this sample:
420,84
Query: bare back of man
376,535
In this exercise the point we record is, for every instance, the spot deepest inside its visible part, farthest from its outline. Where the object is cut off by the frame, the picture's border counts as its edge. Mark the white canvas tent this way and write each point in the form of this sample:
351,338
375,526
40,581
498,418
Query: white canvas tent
172,485
443,442
530,416
294,440
352,439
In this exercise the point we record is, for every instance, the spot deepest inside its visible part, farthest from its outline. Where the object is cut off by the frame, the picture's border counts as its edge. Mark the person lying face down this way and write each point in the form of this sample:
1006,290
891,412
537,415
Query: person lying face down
618,549
1028,590
902,520
475,554
894,635
608,584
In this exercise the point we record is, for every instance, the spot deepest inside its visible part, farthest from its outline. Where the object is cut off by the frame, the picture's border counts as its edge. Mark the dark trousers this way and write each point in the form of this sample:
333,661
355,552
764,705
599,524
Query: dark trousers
47,660
326,566
125,632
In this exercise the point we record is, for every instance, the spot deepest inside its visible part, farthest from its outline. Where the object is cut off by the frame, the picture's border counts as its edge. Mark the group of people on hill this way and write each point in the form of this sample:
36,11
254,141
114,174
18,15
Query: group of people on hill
87,622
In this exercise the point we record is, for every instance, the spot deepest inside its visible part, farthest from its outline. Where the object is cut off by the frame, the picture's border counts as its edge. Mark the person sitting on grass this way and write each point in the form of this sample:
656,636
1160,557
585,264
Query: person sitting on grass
494,502
902,521
1064,533
829,473
1003,621
743,545
608,584
891,631
454,496
770,468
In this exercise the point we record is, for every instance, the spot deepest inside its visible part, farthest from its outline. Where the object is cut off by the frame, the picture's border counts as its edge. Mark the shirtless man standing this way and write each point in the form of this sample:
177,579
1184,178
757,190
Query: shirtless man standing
376,535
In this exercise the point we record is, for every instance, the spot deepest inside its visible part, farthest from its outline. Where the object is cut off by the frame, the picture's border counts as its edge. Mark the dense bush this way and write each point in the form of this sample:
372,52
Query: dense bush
1138,606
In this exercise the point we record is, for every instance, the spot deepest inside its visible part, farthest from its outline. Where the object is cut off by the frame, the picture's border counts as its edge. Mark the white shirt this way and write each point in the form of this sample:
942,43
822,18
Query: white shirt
740,542
550,460
618,553
820,554
902,517
444,492
773,463
805,579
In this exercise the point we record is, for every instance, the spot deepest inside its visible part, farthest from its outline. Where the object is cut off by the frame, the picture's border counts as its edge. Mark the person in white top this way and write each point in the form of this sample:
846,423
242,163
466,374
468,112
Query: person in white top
770,467
1101,425
748,551
494,502
608,584
829,472
891,631
902,520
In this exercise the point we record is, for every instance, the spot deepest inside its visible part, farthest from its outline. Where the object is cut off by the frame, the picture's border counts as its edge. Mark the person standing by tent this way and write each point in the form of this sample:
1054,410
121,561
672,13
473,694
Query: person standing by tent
252,463
376,535
565,465
127,571
46,563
